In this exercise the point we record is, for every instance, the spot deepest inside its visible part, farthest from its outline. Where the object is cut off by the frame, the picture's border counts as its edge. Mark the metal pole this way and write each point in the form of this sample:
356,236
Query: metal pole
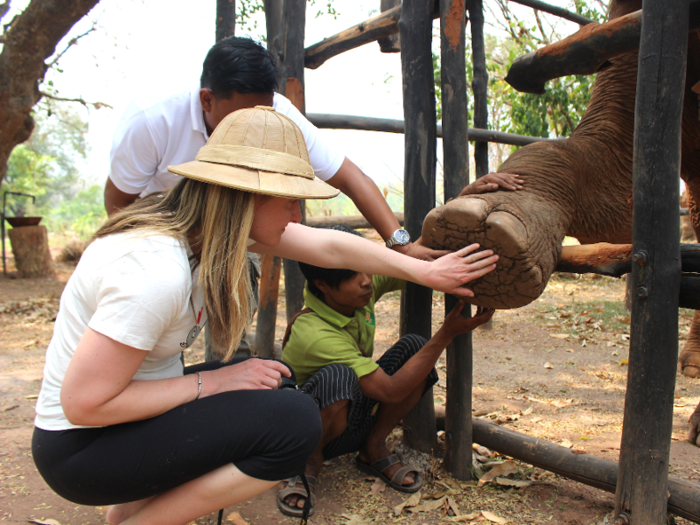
646,434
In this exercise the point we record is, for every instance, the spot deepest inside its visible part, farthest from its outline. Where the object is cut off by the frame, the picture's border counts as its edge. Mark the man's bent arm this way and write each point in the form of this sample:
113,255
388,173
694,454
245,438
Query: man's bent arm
369,200
116,199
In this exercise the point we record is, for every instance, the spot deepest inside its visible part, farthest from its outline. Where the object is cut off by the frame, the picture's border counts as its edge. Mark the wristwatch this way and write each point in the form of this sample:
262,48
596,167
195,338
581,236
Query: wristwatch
399,238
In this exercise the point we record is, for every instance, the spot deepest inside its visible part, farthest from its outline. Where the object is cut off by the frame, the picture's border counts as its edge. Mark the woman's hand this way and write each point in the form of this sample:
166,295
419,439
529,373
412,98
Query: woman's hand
251,374
450,272
455,324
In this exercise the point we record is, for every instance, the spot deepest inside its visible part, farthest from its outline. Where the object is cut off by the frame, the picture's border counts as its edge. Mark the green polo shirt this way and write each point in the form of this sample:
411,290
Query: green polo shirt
326,336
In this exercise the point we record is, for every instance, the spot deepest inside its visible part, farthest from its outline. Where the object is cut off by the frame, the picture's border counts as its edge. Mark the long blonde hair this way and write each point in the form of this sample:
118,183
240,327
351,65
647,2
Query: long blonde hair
216,221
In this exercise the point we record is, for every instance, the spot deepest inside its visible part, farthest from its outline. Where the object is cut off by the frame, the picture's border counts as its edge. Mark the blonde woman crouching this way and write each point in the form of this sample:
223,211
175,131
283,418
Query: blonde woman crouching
119,421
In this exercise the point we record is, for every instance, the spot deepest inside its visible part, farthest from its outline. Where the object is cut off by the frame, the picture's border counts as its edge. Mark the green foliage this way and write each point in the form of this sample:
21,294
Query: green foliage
553,114
48,167
82,215
27,172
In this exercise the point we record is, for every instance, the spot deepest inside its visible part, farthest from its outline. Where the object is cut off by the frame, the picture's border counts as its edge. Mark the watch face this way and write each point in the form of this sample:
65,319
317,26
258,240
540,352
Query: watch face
402,237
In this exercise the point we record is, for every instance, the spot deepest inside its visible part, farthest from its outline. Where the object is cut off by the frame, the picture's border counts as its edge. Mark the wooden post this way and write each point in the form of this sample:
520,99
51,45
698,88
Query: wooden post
391,43
30,246
479,84
225,19
646,434
458,421
267,308
415,27
292,85
225,27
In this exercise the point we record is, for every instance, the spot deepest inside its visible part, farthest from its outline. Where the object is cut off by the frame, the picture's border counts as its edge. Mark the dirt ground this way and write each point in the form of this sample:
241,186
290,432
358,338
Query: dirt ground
555,369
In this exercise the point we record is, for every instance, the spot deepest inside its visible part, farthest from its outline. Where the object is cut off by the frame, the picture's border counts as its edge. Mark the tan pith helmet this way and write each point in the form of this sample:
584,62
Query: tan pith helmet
257,150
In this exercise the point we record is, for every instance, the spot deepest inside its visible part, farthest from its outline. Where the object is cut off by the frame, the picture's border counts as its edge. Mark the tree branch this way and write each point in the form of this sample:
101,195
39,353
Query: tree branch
72,42
80,100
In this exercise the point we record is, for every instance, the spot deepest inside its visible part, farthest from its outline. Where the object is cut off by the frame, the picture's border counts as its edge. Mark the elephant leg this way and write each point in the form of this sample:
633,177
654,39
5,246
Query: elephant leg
689,358
521,229
694,430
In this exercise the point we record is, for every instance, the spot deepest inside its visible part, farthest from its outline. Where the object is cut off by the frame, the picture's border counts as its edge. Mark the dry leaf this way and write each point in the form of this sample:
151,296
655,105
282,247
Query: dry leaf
45,522
410,502
536,419
354,519
548,365
624,362
504,469
528,411
480,412
236,519
492,517
559,336
377,487
465,517
561,403
32,396
513,483
453,505
429,505
567,444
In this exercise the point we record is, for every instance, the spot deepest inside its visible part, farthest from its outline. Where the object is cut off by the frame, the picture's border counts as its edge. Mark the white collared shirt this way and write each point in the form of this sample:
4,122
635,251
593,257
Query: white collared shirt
152,136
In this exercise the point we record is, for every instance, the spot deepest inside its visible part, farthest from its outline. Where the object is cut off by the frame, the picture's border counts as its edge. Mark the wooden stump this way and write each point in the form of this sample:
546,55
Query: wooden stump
30,246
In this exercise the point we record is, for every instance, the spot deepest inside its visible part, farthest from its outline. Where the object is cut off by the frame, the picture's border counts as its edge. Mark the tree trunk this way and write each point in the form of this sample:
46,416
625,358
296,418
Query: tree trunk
28,41
30,246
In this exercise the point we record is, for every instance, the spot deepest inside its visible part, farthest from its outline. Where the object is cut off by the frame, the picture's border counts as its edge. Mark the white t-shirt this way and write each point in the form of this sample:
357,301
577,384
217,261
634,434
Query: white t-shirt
152,136
138,290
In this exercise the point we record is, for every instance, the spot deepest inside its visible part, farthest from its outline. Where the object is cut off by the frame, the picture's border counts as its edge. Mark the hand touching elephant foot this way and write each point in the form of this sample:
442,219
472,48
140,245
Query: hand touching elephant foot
694,430
522,232
689,358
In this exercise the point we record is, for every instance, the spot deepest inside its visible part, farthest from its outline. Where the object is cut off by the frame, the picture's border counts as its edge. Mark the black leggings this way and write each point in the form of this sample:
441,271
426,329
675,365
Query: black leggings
267,434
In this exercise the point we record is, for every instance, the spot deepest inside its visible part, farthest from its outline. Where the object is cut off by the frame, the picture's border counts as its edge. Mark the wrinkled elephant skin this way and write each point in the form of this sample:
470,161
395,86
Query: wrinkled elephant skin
580,186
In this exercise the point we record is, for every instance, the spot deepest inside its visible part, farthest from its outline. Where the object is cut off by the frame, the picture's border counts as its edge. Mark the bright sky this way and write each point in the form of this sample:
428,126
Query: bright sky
156,47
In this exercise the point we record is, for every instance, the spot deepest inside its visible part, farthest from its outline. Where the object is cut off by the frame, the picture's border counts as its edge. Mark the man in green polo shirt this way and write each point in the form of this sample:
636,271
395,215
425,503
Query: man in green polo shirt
329,345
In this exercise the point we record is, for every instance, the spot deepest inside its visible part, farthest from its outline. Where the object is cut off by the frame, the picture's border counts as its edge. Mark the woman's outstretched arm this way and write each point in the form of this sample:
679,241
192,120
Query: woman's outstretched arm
335,249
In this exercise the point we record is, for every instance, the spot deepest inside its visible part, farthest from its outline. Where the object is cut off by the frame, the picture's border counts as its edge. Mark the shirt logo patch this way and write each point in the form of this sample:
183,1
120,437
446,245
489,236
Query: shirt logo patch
369,317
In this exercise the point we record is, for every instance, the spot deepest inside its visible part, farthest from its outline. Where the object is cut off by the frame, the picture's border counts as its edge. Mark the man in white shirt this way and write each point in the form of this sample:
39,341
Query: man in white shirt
237,73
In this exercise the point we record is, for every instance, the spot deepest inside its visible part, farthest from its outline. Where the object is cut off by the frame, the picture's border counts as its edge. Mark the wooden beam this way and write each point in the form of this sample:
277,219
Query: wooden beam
416,26
349,221
391,43
480,82
225,19
377,27
684,499
586,52
270,270
656,274
455,145
325,121
556,11
292,62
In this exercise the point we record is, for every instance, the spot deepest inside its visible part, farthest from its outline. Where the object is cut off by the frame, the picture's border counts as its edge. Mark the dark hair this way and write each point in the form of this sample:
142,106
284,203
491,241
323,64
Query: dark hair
332,277
241,65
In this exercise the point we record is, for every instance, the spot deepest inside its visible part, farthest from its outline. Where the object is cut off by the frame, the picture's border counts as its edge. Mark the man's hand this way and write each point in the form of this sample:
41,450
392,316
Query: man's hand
418,251
492,182
455,324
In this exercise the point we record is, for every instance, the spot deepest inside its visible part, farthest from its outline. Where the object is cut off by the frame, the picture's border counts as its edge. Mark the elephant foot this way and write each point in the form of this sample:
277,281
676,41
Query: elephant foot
527,243
689,358
694,429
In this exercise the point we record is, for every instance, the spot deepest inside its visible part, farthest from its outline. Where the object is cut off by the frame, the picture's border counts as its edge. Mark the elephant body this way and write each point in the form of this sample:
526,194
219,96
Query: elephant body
580,186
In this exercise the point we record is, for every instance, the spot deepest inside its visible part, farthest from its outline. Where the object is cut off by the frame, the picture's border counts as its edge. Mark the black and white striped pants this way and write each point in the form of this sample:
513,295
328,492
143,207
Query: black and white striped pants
335,382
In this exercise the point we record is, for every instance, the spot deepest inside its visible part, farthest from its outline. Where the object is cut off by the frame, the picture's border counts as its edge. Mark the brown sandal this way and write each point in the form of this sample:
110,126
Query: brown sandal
292,489
377,468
